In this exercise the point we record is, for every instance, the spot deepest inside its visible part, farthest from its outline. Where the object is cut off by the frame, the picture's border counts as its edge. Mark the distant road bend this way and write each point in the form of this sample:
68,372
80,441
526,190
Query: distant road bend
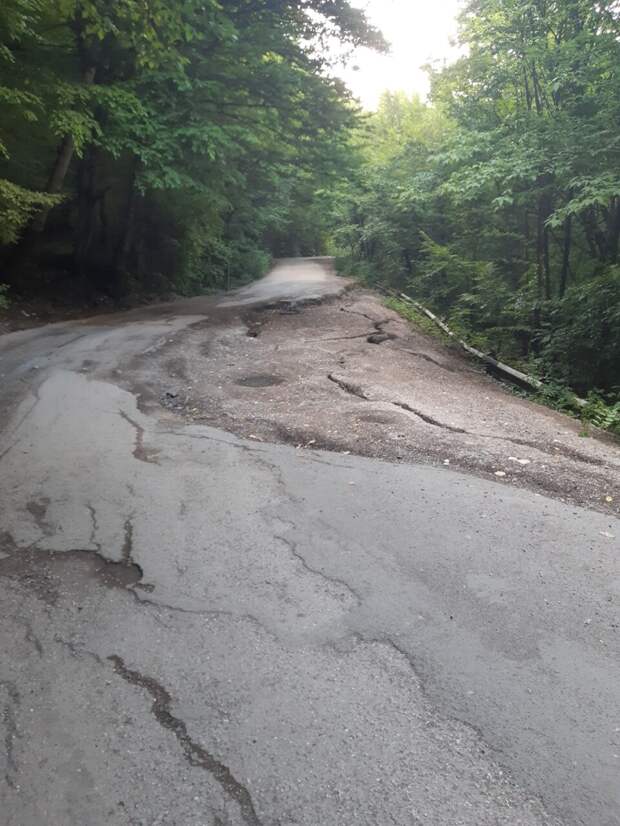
278,558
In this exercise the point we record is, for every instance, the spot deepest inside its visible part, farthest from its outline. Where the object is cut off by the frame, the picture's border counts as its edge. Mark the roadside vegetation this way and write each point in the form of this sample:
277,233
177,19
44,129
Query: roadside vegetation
497,203
168,145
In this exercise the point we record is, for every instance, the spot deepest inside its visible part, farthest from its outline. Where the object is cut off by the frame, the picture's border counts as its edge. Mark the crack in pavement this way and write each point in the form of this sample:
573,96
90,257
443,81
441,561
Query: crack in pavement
11,734
201,436
428,419
356,390
276,473
430,359
294,549
70,341
365,315
94,527
551,450
127,549
200,611
29,635
348,387
77,651
378,337
139,451
7,450
554,450
195,754
34,390
339,338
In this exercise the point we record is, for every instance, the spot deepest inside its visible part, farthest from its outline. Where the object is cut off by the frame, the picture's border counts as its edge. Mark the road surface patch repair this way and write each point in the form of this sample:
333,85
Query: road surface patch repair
202,626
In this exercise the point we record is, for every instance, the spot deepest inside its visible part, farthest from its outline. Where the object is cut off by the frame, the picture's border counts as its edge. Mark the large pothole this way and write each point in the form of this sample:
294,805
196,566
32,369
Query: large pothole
47,573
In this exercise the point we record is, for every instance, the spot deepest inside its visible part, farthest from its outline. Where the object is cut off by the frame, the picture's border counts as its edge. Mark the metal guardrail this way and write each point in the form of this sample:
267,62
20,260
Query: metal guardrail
498,368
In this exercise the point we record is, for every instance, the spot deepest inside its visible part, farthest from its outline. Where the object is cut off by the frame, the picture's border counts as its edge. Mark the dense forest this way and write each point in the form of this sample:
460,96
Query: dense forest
497,203
156,145
148,145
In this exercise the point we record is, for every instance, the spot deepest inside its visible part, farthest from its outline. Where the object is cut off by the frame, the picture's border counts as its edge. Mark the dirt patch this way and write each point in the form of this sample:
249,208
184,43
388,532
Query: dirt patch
411,399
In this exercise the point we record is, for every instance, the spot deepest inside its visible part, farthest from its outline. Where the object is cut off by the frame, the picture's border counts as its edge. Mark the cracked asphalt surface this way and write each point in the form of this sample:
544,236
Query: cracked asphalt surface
204,627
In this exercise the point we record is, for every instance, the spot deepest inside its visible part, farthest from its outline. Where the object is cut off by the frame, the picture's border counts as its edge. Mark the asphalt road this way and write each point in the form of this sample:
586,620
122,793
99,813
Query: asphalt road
204,630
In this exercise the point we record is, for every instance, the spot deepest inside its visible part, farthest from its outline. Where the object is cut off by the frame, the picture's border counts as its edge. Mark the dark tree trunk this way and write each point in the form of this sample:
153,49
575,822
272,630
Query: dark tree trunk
566,250
543,269
87,206
613,234
62,164
588,221
546,263
540,263
129,220
526,84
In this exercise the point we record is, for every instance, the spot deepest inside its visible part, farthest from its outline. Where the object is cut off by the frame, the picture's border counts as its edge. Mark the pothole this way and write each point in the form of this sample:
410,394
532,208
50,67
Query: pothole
260,380
47,573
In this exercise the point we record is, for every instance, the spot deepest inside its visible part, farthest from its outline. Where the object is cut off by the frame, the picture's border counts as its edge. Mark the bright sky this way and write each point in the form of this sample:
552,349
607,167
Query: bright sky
419,31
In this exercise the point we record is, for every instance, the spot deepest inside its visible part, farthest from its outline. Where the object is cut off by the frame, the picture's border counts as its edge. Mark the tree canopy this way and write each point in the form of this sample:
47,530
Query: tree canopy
145,144
498,202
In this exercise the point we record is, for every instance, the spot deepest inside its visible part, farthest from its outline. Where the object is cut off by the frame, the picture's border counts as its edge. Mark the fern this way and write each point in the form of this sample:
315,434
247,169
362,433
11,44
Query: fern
603,415
608,418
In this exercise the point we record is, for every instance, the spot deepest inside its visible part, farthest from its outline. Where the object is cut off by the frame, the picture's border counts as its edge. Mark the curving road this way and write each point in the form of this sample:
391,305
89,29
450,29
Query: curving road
200,629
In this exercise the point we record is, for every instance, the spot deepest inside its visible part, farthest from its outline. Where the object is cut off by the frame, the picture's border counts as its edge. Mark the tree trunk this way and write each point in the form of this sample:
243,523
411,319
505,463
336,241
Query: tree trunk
63,161
87,206
568,238
543,276
526,85
543,269
588,222
613,234
126,239
546,264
